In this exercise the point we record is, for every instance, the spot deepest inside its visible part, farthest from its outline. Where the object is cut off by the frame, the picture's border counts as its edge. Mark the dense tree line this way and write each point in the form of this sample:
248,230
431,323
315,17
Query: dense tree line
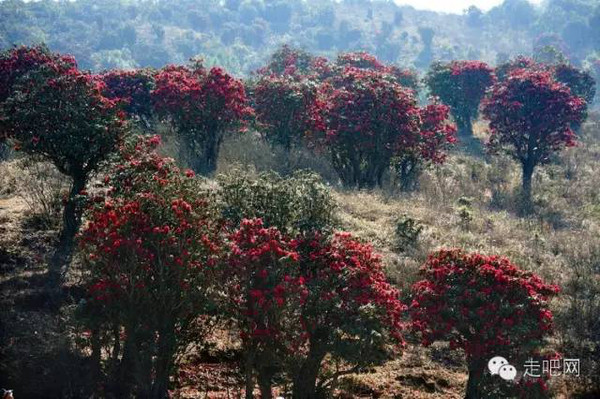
238,34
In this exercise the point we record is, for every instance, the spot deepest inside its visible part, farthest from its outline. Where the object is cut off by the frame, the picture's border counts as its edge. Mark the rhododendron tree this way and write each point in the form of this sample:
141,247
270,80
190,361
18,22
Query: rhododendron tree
461,85
370,120
260,298
367,114
347,309
61,116
133,88
530,117
484,305
581,82
202,105
297,301
150,251
287,109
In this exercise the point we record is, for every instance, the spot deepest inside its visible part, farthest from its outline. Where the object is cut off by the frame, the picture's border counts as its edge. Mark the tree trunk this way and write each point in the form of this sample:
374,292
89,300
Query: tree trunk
465,127
96,355
265,383
408,172
305,381
206,163
121,382
249,377
476,368
164,358
71,222
4,151
528,168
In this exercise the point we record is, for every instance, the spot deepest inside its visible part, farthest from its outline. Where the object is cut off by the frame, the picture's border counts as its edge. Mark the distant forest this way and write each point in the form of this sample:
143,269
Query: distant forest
241,34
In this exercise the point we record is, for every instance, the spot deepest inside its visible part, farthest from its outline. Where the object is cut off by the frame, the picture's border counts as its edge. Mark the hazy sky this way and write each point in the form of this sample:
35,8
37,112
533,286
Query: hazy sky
456,6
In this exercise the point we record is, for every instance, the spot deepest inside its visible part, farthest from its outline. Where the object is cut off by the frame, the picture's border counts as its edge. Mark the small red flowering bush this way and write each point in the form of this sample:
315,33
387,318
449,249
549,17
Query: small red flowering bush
530,116
261,296
133,88
461,85
371,119
347,309
484,305
202,105
60,115
150,250
287,109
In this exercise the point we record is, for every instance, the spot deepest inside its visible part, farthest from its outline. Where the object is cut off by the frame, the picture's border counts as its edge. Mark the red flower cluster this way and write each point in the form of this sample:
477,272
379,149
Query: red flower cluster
504,70
406,77
261,293
18,61
436,133
360,60
287,109
363,60
348,292
133,87
480,303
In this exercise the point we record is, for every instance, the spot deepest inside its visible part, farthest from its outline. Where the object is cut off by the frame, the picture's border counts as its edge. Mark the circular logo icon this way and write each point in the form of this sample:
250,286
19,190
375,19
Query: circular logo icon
507,372
495,363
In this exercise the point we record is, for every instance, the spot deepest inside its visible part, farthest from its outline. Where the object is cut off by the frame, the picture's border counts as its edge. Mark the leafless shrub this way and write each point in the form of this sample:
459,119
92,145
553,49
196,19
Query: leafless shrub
42,188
